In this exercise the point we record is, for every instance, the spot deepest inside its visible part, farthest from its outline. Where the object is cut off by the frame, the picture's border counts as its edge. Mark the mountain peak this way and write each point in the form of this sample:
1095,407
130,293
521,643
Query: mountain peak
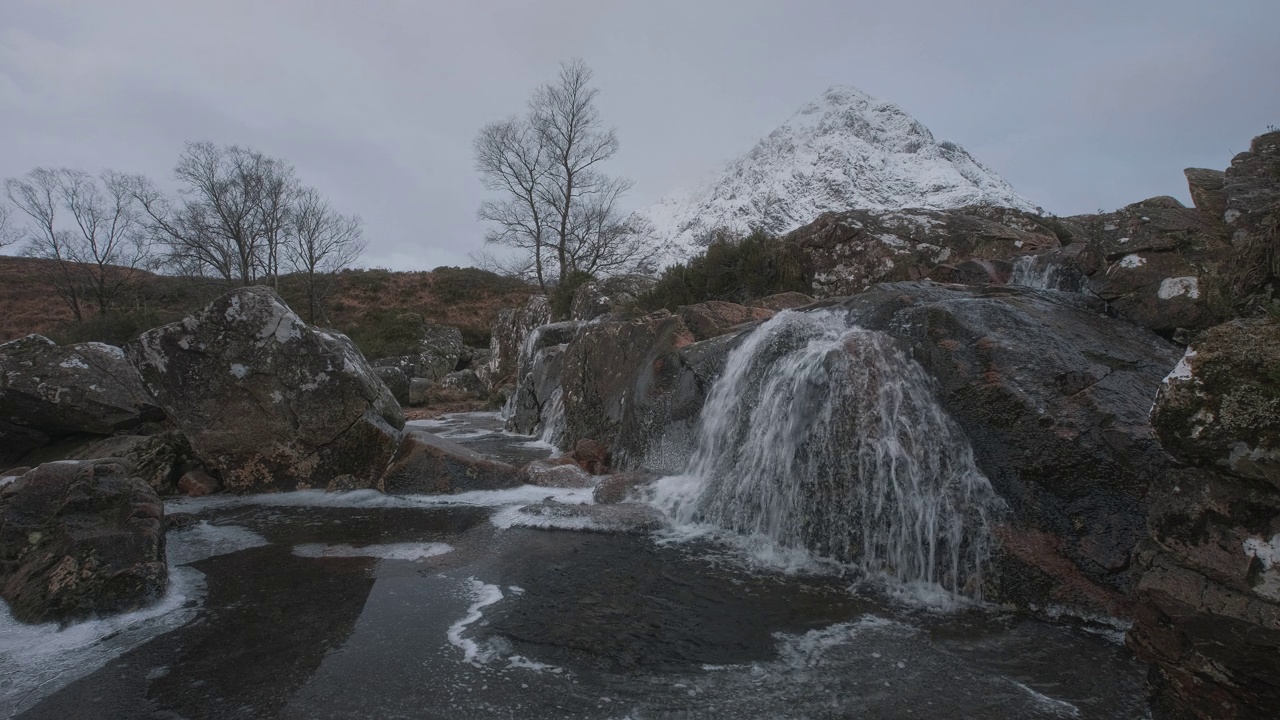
843,150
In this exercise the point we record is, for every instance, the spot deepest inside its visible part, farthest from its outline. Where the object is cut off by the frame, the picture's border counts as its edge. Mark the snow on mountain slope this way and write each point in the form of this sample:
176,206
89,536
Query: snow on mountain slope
845,150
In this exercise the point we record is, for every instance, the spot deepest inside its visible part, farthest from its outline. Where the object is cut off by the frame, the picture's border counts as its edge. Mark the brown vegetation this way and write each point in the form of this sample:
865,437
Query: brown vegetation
362,304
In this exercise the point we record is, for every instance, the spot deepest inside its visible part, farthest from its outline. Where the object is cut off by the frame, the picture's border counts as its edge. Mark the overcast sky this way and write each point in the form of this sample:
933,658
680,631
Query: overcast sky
1080,105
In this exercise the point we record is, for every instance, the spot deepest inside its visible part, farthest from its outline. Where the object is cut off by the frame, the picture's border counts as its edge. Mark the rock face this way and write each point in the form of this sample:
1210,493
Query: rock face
1157,258
509,334
429,464
848,252
80,539
1208,604
538,376
47,390
638,386
1054,398
268,401
784,301
156,459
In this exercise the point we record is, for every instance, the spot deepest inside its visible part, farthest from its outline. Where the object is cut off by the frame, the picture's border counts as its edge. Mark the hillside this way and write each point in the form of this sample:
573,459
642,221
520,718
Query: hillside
844,150
365,304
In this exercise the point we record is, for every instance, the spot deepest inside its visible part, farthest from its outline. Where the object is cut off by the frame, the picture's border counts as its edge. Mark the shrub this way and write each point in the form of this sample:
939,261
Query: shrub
385,332
453,284
115,329
736,270
561,296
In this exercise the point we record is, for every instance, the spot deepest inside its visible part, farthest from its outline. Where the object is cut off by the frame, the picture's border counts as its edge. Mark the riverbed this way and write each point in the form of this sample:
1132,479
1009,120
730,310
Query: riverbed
313,605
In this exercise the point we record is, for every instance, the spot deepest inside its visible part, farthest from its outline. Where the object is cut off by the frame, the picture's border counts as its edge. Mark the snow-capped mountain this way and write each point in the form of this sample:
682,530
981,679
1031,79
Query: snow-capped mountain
845,150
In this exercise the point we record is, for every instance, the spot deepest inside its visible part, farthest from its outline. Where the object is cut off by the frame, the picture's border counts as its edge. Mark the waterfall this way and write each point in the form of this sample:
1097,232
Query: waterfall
551,421
1035,271
825,436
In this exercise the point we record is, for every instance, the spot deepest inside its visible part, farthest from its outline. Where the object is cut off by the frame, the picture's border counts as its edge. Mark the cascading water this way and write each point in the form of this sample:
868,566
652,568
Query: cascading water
824,436
1036,272
552,421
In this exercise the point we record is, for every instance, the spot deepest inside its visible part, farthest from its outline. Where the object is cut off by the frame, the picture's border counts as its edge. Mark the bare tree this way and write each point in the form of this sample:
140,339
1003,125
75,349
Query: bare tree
321,242
555,205
512,159
88,228
38,195
229,220
8,230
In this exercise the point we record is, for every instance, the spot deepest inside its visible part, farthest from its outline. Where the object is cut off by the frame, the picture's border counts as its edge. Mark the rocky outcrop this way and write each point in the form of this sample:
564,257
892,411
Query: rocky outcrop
783,301
846,253
465,382
548,474
1157,259
597,298
1054,399
509,334
268,401
1208,604
157,459
1207,194
47,391
429,464
715,317
538,376
80,539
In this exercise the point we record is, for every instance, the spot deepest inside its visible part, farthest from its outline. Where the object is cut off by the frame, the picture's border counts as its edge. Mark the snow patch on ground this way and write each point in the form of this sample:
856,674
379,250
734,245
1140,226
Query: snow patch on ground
1176,287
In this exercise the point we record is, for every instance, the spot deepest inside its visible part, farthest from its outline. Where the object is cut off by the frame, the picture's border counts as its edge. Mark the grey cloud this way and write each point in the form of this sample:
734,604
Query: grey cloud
1079,105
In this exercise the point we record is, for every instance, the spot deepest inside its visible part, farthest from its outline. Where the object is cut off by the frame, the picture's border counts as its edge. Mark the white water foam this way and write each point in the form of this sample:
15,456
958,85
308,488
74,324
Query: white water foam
521,495
517,517
478,655
1040,273
551,420
38,660
390,551
823,436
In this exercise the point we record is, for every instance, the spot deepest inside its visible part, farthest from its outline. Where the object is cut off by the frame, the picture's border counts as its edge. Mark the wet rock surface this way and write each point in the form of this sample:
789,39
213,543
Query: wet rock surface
1208,603
268,401
315,615
427,463
1054,398
80,539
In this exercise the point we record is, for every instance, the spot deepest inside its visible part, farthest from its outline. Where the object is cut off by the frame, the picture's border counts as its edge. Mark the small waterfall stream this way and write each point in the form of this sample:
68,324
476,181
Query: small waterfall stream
552,422
825,436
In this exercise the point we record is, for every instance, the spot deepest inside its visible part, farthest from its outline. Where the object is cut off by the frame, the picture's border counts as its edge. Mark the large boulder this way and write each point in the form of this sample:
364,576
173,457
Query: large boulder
396,380
716,317
78,540
439,351
1208,603
1252,189
1054,397
509,333
268,401
429,464
47,390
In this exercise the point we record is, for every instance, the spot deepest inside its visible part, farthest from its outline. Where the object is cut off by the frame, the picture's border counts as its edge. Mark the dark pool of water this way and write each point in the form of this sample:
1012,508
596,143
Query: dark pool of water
534,623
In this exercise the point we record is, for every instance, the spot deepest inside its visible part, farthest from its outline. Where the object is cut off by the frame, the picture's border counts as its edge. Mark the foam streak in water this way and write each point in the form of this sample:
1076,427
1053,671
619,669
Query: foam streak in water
824,436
